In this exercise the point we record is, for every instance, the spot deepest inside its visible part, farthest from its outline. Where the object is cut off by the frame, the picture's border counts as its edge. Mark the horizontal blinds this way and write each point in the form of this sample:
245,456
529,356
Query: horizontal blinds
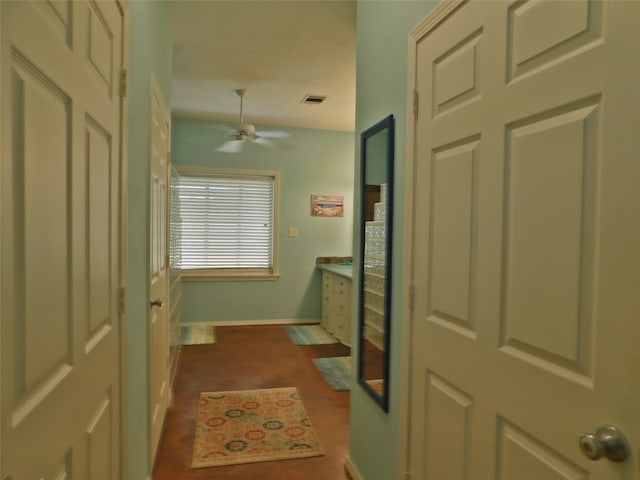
226,222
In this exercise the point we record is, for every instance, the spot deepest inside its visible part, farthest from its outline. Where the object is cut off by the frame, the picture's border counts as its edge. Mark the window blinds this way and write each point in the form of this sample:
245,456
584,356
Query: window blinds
226,222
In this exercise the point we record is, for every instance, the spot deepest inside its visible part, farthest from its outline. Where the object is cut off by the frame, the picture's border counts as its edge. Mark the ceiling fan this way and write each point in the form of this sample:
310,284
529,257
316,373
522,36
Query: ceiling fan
245,131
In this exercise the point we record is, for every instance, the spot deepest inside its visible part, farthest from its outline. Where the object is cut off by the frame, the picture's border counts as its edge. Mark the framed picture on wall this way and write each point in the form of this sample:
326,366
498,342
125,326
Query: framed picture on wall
327,205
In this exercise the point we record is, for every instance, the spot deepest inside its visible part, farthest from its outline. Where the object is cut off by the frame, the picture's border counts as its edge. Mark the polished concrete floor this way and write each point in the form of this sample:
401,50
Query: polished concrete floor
250,357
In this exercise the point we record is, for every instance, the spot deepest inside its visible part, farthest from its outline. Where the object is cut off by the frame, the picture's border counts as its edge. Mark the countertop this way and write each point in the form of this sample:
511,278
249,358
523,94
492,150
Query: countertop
337,268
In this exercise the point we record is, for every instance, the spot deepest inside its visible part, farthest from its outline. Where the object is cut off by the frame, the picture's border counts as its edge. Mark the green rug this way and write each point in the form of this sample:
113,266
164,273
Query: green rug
310,335
196,334
336,370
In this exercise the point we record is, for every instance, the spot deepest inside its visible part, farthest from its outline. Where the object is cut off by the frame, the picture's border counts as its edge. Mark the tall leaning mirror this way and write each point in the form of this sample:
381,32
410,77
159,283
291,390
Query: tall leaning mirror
374,332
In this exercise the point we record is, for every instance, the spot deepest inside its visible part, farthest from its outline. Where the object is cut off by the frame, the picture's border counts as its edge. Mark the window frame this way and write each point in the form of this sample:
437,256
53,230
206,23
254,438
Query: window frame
238,274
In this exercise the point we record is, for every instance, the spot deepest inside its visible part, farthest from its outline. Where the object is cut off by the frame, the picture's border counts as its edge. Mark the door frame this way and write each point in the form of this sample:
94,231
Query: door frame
155,94
124,251
439,14
1,127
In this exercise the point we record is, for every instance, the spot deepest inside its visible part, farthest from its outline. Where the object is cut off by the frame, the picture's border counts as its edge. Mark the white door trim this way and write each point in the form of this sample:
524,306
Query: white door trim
156,96
1,153
435,18
157,93
124,215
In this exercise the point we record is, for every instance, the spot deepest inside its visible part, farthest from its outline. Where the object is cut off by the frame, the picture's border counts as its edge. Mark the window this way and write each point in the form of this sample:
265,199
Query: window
228,223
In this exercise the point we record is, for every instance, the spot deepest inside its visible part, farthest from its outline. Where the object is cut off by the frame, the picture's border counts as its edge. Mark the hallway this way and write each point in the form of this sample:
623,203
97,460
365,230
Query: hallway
253,357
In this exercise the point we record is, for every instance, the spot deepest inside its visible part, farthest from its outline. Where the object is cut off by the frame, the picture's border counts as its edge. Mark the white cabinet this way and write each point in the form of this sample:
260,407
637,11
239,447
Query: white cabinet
336,306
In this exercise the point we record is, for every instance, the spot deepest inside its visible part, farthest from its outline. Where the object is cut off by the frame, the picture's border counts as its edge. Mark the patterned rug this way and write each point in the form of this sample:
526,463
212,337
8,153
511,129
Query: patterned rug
196,334
310,335
336,370
252,426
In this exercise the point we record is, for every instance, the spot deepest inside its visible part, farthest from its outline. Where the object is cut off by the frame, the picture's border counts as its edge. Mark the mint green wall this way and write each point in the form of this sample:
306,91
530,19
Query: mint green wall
381,86
150,43
316,162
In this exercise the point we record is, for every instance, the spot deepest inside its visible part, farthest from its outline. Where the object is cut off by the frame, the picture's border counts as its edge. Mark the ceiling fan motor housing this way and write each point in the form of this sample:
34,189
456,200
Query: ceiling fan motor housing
246,129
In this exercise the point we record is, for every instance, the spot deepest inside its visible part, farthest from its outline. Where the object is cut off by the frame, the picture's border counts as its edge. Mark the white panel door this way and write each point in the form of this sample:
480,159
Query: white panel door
158,317
60,172
526,239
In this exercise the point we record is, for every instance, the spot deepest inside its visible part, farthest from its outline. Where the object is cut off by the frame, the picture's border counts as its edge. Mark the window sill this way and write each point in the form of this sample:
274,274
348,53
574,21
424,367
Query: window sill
187,276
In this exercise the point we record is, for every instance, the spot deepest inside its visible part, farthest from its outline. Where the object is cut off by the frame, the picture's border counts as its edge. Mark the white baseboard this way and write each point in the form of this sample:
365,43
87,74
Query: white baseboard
239,323
195,324
350,467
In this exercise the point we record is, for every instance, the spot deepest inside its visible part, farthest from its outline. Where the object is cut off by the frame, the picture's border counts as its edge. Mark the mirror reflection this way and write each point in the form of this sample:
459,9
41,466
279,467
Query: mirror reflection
375,279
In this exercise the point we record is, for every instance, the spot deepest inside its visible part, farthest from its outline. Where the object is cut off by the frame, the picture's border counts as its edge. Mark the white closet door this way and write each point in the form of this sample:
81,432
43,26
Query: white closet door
60,257
525,329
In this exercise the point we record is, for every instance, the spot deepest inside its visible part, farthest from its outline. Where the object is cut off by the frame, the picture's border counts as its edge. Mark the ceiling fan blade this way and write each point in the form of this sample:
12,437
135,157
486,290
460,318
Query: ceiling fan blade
219,128
263,141
232,146
274,134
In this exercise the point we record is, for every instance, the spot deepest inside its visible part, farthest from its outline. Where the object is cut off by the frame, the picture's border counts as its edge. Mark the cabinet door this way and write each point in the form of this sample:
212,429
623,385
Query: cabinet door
327,287
345,323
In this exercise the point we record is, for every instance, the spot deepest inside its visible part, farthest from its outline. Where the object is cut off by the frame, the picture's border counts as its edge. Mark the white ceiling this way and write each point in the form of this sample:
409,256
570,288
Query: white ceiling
279,51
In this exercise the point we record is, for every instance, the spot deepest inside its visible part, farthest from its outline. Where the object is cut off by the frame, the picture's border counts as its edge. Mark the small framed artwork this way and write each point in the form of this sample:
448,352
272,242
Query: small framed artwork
327,205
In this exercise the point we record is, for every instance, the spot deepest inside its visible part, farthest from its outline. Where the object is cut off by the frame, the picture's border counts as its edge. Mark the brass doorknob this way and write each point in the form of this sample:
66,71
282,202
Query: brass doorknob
608,442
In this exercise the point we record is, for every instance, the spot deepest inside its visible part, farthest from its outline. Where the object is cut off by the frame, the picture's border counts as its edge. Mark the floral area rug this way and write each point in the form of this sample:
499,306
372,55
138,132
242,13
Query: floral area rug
252,426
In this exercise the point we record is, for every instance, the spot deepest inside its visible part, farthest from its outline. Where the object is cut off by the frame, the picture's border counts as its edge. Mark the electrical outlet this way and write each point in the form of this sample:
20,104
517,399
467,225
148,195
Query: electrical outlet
293,232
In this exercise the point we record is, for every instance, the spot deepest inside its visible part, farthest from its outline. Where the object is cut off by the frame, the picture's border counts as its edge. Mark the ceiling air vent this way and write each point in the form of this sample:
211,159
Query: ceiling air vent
313,99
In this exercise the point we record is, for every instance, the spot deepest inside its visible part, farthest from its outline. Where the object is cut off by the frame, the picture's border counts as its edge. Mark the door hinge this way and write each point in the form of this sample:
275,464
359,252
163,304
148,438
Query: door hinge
122,298
412,296
124,82
415,103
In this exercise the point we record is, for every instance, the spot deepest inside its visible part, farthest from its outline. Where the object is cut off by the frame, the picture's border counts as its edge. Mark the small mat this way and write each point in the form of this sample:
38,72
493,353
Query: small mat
310,335
196,334
336,370
252,426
